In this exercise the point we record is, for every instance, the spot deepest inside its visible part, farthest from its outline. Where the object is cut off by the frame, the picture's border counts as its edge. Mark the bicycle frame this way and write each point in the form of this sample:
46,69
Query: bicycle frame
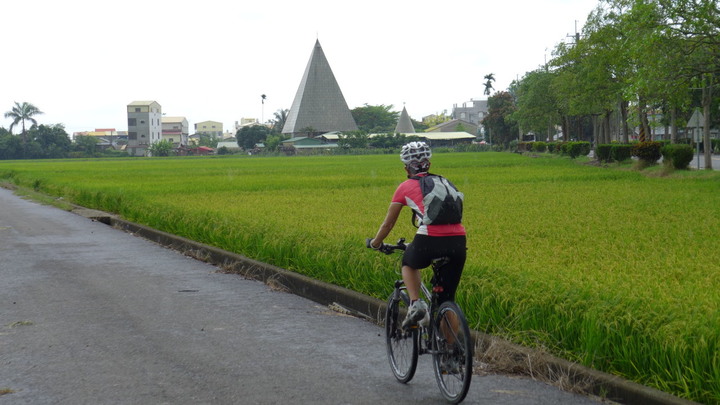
427,334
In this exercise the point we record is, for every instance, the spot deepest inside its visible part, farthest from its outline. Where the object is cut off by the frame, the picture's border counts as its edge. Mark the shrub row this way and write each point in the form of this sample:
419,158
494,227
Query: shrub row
617,152
572,149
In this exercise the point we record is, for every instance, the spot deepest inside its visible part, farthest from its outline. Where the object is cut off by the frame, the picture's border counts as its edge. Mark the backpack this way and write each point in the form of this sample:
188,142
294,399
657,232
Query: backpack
442,200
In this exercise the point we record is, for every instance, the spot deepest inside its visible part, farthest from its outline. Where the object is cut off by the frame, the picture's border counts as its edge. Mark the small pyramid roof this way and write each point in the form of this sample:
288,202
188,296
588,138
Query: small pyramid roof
404,125
319,104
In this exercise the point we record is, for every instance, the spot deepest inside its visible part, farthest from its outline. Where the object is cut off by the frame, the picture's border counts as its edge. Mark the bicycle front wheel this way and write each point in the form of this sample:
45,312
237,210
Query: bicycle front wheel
402,345
452,352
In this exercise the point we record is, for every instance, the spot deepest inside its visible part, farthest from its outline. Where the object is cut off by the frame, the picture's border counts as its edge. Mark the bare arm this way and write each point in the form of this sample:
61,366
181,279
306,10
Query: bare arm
387,225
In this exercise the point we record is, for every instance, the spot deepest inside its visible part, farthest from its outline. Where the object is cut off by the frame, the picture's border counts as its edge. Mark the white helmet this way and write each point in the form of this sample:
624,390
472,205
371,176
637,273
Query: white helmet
415,152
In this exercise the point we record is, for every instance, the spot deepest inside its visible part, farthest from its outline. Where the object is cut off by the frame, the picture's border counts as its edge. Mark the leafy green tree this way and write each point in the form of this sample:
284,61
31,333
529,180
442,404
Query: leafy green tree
86,145
161,148
375,118
498,123
591,73
53,141
272,142
207,140
538,108
250,135
391,141
435,119
419,126
10,146
354,139
696,24
21,113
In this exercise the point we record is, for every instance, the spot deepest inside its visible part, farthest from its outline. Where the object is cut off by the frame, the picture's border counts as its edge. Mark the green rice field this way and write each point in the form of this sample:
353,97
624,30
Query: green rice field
609,267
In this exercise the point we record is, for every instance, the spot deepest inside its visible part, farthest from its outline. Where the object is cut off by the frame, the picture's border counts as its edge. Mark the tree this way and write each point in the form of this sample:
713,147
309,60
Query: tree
10,145
435,119
279,122
21,113
207,140
354,139
498,123
263,97
53,141
86,144
489,79
375,118
161,148
250,135
273,141
538,109
391,141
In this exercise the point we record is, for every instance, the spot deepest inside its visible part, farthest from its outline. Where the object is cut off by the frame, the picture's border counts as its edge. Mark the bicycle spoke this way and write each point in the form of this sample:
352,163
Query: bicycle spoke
402,346
452,356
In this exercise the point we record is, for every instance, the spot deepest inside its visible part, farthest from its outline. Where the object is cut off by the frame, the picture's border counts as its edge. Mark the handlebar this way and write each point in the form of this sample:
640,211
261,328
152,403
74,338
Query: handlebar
386,248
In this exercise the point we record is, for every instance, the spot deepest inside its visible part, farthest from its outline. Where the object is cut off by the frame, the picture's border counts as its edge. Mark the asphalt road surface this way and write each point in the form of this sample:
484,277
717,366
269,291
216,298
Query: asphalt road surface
93,315
715,161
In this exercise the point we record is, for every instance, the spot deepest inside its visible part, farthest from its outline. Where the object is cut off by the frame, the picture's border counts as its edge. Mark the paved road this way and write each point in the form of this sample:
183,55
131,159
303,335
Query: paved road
93,315
715,162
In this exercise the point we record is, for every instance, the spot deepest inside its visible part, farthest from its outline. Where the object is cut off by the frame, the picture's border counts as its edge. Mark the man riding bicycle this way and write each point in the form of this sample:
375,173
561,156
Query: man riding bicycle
434,238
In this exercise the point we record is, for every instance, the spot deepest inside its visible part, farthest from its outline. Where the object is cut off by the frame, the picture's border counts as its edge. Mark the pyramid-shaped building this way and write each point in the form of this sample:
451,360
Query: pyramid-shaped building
404,125
319,105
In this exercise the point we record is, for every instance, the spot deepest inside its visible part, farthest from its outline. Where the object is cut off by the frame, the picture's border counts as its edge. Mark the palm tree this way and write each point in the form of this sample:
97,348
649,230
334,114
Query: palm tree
279,121
489,79
262,115
20,113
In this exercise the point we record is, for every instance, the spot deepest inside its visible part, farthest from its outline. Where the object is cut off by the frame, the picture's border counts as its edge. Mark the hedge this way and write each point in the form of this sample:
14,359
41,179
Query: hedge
648,152
678,155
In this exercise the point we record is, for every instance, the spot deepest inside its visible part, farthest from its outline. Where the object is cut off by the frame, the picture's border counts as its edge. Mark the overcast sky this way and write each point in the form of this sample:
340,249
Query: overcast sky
82,61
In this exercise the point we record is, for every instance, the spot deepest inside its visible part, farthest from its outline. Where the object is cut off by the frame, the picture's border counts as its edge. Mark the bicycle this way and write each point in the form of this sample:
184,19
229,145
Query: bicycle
446,337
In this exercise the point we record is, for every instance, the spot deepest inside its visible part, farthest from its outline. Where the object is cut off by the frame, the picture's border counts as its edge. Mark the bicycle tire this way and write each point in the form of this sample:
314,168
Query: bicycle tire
452,352
402,345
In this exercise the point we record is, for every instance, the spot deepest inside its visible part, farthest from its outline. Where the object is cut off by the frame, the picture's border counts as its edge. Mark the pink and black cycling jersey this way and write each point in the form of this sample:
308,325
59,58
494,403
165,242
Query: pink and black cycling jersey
408,193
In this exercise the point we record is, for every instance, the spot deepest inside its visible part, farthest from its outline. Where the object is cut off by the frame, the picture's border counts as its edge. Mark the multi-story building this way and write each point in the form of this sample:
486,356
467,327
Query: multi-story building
212,128
175,130
144,126
473,114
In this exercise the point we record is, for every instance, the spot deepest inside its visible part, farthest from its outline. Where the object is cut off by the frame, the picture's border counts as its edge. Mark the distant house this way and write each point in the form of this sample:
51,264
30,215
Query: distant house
230,145
440,138
455,125
175,130
144,126
107,138
302,144
201,151
446,138
473,114
212,128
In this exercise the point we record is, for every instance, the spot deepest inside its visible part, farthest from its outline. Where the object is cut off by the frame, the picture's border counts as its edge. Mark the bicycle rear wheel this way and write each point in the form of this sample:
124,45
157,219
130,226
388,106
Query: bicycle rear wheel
402,345
452,352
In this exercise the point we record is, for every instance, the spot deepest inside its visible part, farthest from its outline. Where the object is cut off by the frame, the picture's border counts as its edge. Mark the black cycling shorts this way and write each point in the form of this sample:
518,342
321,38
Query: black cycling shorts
423,249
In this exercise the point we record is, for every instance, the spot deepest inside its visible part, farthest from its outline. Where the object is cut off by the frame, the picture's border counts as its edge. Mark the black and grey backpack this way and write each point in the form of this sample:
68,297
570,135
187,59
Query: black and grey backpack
442,200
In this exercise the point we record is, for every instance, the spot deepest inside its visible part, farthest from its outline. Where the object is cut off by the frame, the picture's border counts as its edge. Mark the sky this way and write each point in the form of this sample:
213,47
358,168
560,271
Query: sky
81,62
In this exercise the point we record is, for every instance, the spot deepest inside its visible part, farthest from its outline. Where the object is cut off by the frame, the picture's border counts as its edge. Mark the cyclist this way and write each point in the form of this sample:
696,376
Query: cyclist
431,241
